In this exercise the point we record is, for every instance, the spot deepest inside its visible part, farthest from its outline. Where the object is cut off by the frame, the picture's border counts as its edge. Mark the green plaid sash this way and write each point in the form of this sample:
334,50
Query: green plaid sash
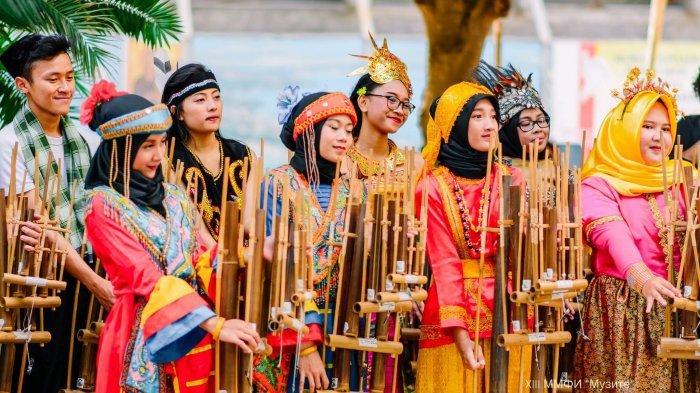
76,155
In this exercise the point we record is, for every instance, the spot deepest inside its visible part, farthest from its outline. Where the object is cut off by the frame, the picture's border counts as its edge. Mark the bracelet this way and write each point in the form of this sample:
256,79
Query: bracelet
217,329
308,351
638,275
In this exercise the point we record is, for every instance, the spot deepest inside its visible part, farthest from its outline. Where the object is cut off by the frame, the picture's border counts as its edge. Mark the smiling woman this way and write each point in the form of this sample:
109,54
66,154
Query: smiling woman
622,196
655,138
381,99
149,238
318,129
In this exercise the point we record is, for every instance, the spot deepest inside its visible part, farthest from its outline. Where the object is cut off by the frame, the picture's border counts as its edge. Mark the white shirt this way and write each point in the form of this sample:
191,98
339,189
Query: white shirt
8,139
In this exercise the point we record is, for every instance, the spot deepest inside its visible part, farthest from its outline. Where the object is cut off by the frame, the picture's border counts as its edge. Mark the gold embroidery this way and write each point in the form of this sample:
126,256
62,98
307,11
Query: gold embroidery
430,332
470,268
232,179
193,176
107,128
453,312
471,288
600,221
664,241
452,212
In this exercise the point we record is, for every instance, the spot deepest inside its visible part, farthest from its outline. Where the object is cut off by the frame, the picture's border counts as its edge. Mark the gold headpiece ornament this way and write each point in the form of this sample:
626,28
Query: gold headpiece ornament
384,66
634,84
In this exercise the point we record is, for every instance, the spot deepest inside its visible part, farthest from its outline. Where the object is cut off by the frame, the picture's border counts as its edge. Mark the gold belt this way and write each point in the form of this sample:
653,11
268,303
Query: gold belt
470,268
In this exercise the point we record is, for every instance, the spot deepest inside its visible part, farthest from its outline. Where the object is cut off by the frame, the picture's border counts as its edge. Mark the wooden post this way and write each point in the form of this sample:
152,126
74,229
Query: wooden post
657,10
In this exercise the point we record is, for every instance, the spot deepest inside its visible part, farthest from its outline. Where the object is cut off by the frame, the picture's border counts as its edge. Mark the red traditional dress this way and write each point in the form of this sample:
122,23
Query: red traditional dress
151,340
453,255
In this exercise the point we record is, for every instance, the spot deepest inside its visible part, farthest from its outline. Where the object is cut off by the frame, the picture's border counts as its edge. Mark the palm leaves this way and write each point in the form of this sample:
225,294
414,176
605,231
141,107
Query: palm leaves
90,26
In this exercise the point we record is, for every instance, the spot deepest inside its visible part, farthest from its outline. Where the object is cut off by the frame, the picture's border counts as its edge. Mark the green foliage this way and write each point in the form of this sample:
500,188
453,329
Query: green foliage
90,26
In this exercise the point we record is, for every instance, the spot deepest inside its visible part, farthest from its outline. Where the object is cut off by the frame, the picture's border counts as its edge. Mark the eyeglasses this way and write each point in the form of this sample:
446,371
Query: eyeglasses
529,125
394,103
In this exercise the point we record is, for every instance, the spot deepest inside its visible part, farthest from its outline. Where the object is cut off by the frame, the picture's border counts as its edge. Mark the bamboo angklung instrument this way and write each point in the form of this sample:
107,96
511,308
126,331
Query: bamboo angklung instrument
238,296
681,338
376,284
348,272
498,374
28,280
546,249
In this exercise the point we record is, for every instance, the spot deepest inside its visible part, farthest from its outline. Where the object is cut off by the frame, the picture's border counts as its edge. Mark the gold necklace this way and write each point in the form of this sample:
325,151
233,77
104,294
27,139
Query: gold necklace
371,167
221,160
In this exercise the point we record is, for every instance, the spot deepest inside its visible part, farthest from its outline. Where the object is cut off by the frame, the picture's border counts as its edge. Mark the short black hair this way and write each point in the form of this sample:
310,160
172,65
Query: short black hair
20,56
370,85
696,85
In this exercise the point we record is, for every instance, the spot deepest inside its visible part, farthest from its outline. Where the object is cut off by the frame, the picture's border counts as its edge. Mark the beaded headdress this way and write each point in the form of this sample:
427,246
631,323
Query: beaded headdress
384,66
634,85
298,113
513,91
154,119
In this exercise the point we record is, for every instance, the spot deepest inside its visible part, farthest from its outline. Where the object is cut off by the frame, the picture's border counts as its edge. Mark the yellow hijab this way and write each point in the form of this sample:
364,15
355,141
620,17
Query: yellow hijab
448,109
616,155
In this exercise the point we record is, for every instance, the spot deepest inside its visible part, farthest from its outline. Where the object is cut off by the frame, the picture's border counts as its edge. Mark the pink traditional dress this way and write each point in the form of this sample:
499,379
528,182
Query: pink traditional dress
151,339
623,230
454,255
625,221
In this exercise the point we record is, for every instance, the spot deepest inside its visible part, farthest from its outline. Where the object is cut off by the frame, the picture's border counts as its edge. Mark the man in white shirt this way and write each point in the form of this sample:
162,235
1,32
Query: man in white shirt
43,72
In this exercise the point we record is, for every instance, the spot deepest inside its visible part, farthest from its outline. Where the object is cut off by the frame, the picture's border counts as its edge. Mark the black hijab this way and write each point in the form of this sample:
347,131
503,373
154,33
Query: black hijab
326,169
508,136
144,192
688,130
457,154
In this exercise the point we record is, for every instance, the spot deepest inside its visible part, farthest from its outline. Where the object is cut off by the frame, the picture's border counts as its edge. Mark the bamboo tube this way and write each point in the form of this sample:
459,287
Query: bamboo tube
654,31
547,287
4,238
298,298
535,299
685,304
498,372
97,327
364,345
679,344
418,295
31,281
30,301
88,336
219,303
20,337
407,279
7,360
541,338
410,333
292,323
372,307
678,354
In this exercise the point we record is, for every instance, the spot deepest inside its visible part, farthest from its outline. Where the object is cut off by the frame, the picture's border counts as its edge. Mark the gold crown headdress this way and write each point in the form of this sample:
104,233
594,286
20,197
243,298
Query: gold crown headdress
383,66
634,85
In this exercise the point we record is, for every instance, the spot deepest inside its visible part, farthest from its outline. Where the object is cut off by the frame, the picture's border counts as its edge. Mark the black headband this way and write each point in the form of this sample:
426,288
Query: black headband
174,94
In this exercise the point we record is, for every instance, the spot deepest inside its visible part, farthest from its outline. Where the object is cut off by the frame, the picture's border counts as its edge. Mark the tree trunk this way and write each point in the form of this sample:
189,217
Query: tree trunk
456,31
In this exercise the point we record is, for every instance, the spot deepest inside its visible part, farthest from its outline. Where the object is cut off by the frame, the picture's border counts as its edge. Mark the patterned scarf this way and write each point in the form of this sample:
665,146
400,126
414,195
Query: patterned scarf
76,156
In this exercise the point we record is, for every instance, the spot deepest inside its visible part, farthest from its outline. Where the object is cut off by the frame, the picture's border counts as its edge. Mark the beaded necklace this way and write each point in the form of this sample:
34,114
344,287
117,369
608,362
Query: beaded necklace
221,160
464,211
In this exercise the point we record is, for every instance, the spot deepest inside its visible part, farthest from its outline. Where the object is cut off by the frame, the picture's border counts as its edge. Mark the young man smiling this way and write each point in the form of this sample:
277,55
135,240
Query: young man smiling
43,72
